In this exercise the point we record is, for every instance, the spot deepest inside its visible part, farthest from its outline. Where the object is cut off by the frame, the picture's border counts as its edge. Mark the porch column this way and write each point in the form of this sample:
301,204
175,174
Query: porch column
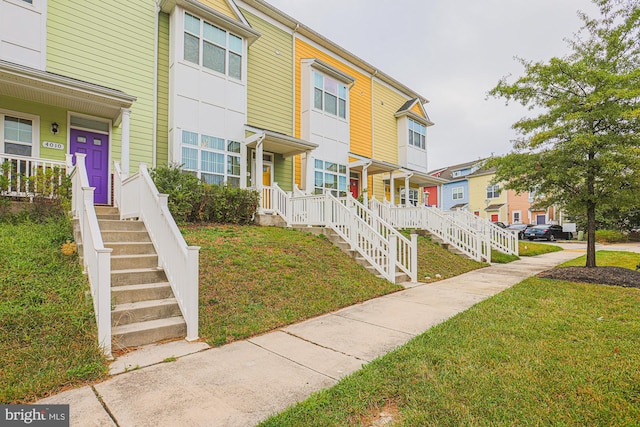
258,182
406,191
243,165
124,155
392,194
365,186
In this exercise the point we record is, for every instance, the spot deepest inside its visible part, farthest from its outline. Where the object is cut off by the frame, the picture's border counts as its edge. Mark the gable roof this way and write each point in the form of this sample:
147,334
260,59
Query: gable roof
447,172
409,109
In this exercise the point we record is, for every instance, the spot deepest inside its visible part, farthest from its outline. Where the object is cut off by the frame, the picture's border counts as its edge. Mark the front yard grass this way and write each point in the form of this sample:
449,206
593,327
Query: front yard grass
255,279
608,258
524,249
48,338
545,352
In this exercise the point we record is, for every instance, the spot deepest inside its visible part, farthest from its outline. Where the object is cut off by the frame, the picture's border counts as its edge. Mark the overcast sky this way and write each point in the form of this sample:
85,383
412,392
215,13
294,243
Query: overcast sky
452,52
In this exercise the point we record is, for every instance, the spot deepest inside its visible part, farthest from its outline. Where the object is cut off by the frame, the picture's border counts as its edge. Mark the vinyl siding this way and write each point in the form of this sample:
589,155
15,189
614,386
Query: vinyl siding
416,109
270,78
386,103
221,6
478,195
109,44
48,115
162,128
283,172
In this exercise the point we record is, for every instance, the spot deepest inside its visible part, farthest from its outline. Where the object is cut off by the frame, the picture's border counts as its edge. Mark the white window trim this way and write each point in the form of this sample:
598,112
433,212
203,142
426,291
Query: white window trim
336,191
409,131
494,188
454,192
513,217
199,65
35,129
199,148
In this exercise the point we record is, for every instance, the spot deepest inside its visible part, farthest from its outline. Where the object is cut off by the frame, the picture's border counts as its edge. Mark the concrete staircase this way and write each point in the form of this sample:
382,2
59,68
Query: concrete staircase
337,240
144,309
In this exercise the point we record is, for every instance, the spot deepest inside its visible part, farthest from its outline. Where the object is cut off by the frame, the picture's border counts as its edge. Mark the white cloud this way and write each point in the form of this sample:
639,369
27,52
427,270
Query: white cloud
452,52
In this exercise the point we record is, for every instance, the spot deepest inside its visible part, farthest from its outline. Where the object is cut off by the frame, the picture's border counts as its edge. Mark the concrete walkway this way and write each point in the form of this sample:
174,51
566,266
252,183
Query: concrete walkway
245,382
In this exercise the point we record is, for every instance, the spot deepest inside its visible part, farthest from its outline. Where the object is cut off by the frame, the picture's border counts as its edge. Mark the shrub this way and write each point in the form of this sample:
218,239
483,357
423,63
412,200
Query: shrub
191,200
184,190
610,236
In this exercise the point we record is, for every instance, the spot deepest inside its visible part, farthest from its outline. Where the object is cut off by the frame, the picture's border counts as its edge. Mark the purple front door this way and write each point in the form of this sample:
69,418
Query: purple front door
96,147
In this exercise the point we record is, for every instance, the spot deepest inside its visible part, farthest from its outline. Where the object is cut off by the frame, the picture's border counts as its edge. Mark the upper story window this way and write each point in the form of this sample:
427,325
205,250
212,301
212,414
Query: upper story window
214,160
493,191
212,47
329,95
417,134
17,136
457,193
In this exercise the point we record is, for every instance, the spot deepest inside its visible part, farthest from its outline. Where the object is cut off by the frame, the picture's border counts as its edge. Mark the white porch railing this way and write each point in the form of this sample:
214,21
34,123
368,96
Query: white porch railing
96,258
29,176
384,251
465,239
274,199
137,196
502,240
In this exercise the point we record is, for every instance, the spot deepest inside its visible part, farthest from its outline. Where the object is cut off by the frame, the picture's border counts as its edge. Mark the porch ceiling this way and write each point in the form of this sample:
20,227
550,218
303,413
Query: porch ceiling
39,86
425,180
494,207
280,143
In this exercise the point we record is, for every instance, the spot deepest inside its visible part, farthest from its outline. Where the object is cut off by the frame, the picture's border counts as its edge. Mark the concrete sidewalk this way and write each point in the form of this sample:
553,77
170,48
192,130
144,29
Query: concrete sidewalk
242,383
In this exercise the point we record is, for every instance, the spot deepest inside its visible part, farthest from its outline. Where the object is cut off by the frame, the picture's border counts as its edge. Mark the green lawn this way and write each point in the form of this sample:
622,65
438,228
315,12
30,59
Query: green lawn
524,249
544,352
608,258
255,279
433,260
47,326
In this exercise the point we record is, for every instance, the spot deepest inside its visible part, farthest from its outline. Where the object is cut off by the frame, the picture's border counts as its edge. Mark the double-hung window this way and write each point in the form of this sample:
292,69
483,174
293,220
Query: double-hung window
212,47
493,191
413,196
417,134
214,160
457,193
329,95
17,136
330,176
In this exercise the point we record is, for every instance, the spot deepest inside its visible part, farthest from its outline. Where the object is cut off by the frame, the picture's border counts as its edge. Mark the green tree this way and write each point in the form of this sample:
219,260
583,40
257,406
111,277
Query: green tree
582,150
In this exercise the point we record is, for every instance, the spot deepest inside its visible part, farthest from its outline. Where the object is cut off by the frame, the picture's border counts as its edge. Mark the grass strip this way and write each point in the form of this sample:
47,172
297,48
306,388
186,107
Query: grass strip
47,326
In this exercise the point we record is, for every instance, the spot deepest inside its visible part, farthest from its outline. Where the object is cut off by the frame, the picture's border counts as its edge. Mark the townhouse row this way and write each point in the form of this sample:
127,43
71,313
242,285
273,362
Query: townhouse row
237,92
470,187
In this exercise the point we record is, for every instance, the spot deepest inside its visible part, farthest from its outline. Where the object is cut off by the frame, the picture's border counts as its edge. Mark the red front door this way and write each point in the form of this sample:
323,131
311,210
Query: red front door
96,147
354,187
494,217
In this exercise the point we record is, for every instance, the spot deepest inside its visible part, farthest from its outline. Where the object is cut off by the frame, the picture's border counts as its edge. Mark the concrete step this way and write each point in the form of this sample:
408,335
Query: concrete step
130,248
125,262
125,236
142,333
141,292
120,225
137,276
106,210
142,311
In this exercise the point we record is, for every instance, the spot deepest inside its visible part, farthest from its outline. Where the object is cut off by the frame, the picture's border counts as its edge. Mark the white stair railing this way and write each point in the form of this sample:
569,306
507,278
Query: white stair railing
464,238
96,258
407,249
137,196
22,176
385,251
501,239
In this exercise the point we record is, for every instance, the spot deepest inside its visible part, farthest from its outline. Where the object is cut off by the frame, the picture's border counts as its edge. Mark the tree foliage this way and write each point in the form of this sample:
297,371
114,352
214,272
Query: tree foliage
582,149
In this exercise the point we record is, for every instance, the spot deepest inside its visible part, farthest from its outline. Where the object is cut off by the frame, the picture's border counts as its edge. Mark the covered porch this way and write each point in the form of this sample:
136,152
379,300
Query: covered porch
258,169
46,116
406,187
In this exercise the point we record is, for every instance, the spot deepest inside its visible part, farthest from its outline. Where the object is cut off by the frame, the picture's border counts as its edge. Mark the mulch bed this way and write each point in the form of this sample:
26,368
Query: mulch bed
614,276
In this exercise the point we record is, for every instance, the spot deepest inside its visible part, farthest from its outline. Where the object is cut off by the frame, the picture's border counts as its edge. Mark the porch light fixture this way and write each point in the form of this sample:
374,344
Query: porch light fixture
54,128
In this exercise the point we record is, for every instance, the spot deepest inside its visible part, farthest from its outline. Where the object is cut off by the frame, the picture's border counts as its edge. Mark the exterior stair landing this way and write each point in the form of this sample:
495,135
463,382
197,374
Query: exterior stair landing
144,309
